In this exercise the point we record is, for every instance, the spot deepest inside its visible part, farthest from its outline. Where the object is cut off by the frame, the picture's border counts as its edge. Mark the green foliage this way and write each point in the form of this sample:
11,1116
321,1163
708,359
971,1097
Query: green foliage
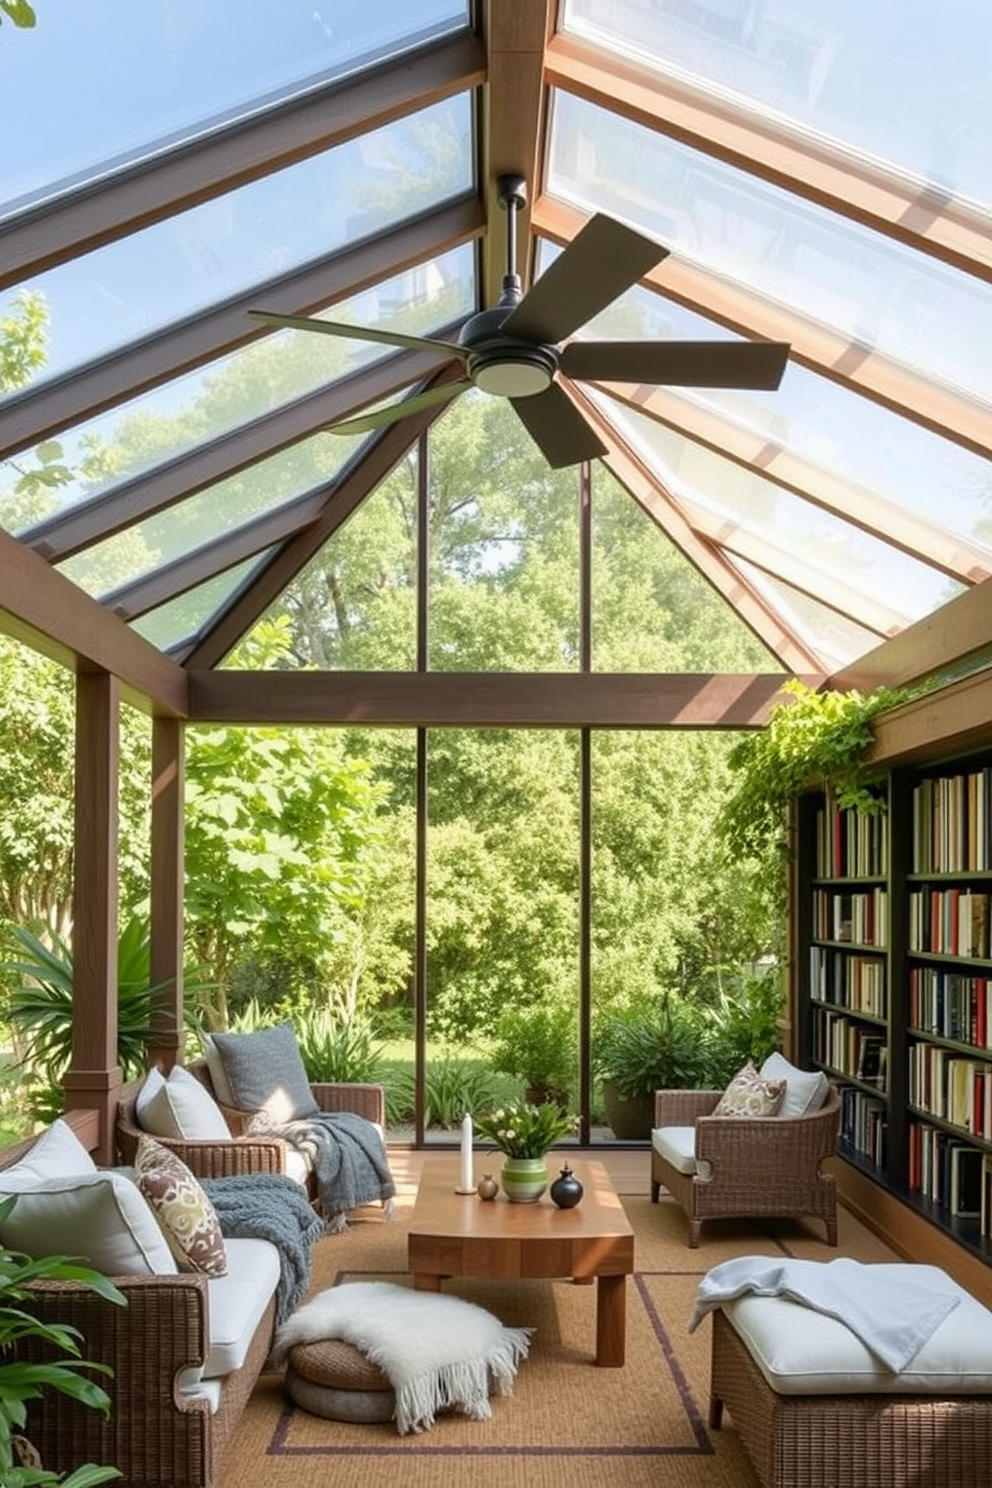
21,1382
819,738
19,11
523,1129
641,1052
742,1026
338,1047
539,1044
454,1086
38,1009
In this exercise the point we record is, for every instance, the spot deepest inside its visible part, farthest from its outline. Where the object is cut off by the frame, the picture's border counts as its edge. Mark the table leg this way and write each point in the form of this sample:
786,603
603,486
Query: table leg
426,1281
611,1321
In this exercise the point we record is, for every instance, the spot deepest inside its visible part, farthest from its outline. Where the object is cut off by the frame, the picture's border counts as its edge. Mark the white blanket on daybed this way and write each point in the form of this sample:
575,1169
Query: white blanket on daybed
437,1352
893,1318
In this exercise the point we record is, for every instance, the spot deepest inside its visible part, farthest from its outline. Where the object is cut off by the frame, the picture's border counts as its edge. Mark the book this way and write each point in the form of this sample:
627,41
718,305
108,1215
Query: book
966,1180
870,1052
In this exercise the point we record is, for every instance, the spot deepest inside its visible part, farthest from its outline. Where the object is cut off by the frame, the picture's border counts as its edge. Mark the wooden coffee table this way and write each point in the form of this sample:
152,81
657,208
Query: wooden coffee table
455,1234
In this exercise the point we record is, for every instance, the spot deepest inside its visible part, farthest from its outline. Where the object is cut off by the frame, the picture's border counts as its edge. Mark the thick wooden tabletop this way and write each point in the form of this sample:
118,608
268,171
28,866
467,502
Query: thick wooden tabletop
454,1234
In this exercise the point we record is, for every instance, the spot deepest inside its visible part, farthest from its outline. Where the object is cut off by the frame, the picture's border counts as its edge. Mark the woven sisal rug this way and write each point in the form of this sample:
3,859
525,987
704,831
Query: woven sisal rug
567,1423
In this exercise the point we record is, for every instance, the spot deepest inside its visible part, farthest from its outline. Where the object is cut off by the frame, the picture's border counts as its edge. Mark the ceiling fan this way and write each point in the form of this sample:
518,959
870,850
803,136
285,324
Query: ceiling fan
514,350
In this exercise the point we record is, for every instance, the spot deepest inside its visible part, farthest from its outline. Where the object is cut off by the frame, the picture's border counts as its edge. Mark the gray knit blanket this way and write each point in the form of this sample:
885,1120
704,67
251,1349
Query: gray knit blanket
348,1159
271,1206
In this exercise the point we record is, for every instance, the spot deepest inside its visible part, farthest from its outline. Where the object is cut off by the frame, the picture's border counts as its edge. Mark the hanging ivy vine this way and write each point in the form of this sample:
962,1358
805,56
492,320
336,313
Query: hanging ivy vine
817,738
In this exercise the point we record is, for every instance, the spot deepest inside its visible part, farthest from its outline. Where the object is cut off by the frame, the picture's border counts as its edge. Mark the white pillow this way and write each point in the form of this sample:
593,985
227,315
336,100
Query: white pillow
805,1090
57,1153
218,1074
100,1217
179,1107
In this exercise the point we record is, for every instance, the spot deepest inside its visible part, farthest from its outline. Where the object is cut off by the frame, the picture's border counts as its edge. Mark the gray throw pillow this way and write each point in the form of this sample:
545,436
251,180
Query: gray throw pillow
265,1072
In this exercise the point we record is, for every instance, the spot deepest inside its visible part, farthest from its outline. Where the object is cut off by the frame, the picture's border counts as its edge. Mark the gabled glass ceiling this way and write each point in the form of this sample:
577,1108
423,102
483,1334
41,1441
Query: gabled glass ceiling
162,452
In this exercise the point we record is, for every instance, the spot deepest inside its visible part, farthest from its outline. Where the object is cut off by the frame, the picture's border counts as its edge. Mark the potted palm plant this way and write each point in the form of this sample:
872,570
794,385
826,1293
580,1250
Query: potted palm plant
22,1381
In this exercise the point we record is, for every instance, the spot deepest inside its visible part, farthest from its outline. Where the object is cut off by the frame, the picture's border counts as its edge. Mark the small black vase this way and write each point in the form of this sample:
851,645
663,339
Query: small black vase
566,1191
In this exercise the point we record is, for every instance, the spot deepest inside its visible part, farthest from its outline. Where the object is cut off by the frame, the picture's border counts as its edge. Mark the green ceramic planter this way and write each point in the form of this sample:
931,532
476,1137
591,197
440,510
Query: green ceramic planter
524,1179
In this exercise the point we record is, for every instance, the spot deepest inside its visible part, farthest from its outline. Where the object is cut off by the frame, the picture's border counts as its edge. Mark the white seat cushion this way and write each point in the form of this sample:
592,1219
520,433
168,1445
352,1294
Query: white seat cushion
677,1145
804,1352
237,1302
805,1090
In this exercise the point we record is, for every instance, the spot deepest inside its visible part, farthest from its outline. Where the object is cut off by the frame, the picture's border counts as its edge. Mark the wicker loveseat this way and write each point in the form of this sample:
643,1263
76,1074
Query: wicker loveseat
185,1353
241,1152
746,1167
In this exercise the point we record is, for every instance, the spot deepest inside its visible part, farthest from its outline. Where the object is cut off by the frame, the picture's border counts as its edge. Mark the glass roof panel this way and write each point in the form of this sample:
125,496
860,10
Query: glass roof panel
177,70
912,86
176,418
828,635
832,427
101,302
875,291
730,503
180,621
220,508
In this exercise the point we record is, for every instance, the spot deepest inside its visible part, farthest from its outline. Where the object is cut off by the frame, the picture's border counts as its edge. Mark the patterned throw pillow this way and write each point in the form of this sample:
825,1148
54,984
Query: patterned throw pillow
187,1218
749,1095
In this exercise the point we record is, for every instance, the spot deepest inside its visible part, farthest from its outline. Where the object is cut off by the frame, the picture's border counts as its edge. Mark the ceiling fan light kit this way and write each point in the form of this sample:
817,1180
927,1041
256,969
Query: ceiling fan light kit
513,350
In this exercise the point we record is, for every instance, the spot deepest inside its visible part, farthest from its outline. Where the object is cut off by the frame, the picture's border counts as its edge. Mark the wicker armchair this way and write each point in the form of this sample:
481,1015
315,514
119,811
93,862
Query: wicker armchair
757,1166
217,1158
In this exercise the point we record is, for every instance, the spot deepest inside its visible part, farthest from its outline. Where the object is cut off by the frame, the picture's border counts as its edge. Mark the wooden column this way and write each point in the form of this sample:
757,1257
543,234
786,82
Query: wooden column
167,890
94,1077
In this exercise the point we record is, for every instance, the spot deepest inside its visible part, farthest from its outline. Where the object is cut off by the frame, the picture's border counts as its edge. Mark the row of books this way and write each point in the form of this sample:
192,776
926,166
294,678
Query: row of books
853,1049
864,1124
951,1005
952,823
945,1170
949,922
854,982
948,1085
859,918
850,844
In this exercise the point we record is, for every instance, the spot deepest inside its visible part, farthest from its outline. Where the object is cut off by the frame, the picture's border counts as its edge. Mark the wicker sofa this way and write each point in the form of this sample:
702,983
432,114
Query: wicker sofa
244,1153
185,1353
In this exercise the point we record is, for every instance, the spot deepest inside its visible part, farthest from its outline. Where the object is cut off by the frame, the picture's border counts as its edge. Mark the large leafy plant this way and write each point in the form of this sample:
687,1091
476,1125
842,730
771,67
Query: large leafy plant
21,1382
38,1009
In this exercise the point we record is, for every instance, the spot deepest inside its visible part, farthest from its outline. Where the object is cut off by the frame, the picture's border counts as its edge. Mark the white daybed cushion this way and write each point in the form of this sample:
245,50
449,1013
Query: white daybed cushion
805,1090
677,1145
803,1352
179,1107
99,1217
237,1302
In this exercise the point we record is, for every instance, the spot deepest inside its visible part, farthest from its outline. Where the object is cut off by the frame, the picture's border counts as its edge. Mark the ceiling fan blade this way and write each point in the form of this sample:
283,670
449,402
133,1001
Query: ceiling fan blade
732,364
558,428
381,417
601,261
358,333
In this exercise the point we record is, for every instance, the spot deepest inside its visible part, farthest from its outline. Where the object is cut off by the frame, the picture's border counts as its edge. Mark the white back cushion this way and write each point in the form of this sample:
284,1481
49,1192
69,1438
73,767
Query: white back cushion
179,1107
805,1090
99,1217
57,1153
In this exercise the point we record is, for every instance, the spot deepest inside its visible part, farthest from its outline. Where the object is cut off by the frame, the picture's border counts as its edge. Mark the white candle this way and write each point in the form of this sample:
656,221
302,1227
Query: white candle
466,1174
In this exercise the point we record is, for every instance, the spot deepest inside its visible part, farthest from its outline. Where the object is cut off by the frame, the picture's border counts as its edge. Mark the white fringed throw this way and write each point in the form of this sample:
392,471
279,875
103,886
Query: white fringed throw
437,1352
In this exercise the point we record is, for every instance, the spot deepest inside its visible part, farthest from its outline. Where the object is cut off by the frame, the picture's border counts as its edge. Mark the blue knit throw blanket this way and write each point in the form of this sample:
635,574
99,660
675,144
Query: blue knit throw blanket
348,1158
271,1206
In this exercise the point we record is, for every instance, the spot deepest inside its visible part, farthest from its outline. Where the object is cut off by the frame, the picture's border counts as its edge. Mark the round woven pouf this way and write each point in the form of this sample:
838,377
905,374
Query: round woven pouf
334,1379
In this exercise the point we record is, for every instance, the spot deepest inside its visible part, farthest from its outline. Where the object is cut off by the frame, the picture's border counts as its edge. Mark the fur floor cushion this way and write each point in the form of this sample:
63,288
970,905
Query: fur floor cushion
438,1352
